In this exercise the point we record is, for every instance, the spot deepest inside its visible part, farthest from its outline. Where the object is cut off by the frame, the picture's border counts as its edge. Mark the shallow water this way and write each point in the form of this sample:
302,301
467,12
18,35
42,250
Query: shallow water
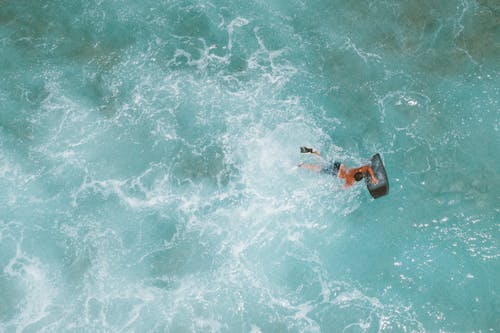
147,154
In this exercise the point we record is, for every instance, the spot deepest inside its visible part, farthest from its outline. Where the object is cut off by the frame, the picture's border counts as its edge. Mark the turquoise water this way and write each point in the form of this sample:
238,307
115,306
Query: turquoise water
146,154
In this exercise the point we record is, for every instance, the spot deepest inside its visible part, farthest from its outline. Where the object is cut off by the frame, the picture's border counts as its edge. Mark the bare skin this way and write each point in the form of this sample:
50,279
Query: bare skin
348,174
344,173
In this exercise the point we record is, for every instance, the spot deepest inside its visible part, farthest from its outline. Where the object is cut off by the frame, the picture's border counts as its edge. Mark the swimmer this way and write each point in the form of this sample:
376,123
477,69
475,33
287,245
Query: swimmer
351,176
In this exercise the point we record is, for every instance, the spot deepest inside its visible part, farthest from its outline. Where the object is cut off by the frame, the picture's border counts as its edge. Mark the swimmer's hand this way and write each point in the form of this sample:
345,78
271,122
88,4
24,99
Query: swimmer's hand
374,180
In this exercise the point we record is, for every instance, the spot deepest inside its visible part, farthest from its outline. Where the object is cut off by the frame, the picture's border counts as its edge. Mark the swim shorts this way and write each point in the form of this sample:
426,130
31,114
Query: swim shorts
331,168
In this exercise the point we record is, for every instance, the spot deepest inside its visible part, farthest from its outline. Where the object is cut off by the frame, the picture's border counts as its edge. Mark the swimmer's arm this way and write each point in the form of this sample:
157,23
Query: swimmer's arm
372,175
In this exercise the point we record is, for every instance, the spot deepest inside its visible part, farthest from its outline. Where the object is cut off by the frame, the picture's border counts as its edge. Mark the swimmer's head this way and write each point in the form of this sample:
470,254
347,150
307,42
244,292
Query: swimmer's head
358,176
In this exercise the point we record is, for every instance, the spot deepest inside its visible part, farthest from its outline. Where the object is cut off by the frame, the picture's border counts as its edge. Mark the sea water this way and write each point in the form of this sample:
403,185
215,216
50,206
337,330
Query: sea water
147,153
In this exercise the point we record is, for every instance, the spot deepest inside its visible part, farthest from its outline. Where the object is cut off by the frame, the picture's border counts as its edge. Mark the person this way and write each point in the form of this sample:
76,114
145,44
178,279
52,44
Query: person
350,176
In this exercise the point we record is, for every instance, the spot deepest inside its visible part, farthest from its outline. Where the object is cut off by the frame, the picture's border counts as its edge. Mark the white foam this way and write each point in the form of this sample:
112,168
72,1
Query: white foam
39,291
349,44
255,329
236,23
